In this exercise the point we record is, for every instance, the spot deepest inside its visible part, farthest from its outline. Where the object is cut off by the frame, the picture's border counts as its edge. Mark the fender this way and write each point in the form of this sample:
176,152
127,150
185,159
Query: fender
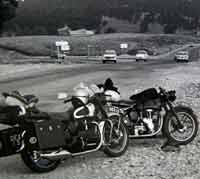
170,112
11,141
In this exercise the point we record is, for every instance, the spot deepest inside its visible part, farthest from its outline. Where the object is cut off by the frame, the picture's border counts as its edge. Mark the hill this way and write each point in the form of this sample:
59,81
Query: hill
42,45
44,17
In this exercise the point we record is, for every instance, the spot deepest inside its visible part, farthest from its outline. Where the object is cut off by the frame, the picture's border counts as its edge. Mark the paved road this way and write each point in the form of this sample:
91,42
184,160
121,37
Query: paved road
65,73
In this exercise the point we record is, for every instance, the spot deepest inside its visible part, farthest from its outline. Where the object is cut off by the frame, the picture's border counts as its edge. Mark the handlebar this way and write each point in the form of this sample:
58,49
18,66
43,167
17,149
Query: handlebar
68,100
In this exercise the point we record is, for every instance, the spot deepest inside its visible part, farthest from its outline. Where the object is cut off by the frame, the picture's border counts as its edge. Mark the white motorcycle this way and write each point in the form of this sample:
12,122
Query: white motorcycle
44,139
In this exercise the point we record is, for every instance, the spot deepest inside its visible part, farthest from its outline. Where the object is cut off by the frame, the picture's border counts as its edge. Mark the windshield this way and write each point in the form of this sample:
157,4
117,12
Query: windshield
142,52
110,52
182,53
90,88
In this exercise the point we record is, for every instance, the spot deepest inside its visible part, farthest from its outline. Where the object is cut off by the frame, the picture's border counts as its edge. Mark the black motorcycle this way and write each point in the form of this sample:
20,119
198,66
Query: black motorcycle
46,139
150,112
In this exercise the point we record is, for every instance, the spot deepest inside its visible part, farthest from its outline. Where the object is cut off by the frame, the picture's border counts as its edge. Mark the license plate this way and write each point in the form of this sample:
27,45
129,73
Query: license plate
114,109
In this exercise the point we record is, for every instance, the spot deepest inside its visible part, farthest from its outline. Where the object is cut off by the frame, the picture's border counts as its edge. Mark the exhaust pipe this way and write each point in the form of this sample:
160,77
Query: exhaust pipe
56,155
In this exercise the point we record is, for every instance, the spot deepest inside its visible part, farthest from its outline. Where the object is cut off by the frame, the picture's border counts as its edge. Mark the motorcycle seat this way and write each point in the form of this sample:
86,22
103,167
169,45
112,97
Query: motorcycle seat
62,116
123,103
26,99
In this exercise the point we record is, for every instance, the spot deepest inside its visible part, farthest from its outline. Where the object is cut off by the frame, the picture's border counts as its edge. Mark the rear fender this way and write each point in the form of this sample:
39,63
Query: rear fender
11,141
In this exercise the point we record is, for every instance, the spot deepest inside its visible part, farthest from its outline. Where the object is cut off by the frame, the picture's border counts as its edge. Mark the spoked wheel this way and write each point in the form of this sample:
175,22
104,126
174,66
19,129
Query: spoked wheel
116,137
189,121
37,163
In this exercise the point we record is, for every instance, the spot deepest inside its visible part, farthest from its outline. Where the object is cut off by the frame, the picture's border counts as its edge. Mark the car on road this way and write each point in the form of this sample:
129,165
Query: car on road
142,55
181,56
110,56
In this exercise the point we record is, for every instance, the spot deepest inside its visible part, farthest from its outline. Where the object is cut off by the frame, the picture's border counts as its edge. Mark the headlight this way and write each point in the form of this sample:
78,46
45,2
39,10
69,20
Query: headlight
172,96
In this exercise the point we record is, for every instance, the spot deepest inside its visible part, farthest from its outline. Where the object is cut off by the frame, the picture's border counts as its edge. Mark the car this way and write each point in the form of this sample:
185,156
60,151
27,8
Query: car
141,55
110,56
181,56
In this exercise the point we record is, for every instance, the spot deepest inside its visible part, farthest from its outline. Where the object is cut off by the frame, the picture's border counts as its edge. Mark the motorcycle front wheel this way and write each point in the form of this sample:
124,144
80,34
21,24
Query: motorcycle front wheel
190,126
117,140
38,164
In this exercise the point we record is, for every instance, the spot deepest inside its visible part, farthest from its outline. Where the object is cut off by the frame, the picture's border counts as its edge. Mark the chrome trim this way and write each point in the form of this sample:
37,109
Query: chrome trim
91,110
23,143
79,116
64,153
100,127
56,154
149,135
23,111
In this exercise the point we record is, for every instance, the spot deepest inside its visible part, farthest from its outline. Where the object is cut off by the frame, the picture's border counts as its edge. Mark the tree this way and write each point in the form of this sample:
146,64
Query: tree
7,11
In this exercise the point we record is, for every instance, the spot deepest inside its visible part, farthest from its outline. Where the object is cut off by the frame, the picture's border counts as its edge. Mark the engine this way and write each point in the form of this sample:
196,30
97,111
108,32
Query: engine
151,118
145,121
87,137
81,132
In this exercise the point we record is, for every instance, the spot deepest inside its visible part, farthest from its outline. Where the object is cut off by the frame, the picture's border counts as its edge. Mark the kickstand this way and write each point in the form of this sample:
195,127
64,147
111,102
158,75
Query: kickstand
169,146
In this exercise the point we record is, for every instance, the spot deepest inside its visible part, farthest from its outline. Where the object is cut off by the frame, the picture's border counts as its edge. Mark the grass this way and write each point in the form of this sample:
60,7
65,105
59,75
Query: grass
42,45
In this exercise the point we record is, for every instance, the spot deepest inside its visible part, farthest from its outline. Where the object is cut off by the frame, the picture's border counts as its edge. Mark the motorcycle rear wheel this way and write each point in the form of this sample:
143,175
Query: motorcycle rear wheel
188,120
40,165
116,149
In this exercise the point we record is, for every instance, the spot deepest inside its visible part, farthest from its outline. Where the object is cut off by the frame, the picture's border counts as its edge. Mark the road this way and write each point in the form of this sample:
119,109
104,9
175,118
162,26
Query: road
143,159
47,84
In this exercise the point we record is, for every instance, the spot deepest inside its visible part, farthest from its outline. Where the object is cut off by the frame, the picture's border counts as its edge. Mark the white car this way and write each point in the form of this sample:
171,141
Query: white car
110,56
182,56
142,55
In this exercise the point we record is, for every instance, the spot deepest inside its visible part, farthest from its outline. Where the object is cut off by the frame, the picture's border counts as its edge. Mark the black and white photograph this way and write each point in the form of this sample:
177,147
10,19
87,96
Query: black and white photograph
99,89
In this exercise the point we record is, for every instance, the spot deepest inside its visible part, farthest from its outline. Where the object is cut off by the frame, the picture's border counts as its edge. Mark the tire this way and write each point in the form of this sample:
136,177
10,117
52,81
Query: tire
175,59
115,61
136,60
185,112
35,165
145,60
111,150
104,61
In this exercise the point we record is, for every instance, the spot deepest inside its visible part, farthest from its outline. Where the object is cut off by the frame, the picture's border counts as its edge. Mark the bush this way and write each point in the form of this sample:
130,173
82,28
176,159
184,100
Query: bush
110,30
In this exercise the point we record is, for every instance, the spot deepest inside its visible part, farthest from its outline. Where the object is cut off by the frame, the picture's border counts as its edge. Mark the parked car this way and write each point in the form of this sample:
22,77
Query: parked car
110,56
181,56
142,55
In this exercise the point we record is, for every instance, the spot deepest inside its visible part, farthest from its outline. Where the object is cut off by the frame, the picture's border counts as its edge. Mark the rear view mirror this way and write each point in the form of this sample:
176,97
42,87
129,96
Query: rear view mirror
62,96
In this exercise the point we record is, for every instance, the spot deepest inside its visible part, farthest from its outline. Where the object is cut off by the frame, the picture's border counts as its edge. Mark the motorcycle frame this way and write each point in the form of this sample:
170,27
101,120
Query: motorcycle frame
167,105
145,135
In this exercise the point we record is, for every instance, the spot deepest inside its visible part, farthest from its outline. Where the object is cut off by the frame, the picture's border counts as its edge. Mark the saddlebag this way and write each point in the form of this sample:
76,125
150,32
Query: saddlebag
45,134
9,115
10,141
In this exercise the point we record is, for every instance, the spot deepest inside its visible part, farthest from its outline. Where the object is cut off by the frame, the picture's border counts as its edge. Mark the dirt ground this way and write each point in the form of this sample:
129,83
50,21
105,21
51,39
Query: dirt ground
143,159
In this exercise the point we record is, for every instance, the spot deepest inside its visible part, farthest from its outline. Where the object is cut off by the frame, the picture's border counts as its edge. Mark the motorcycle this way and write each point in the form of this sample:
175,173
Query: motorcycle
150,112
45,139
